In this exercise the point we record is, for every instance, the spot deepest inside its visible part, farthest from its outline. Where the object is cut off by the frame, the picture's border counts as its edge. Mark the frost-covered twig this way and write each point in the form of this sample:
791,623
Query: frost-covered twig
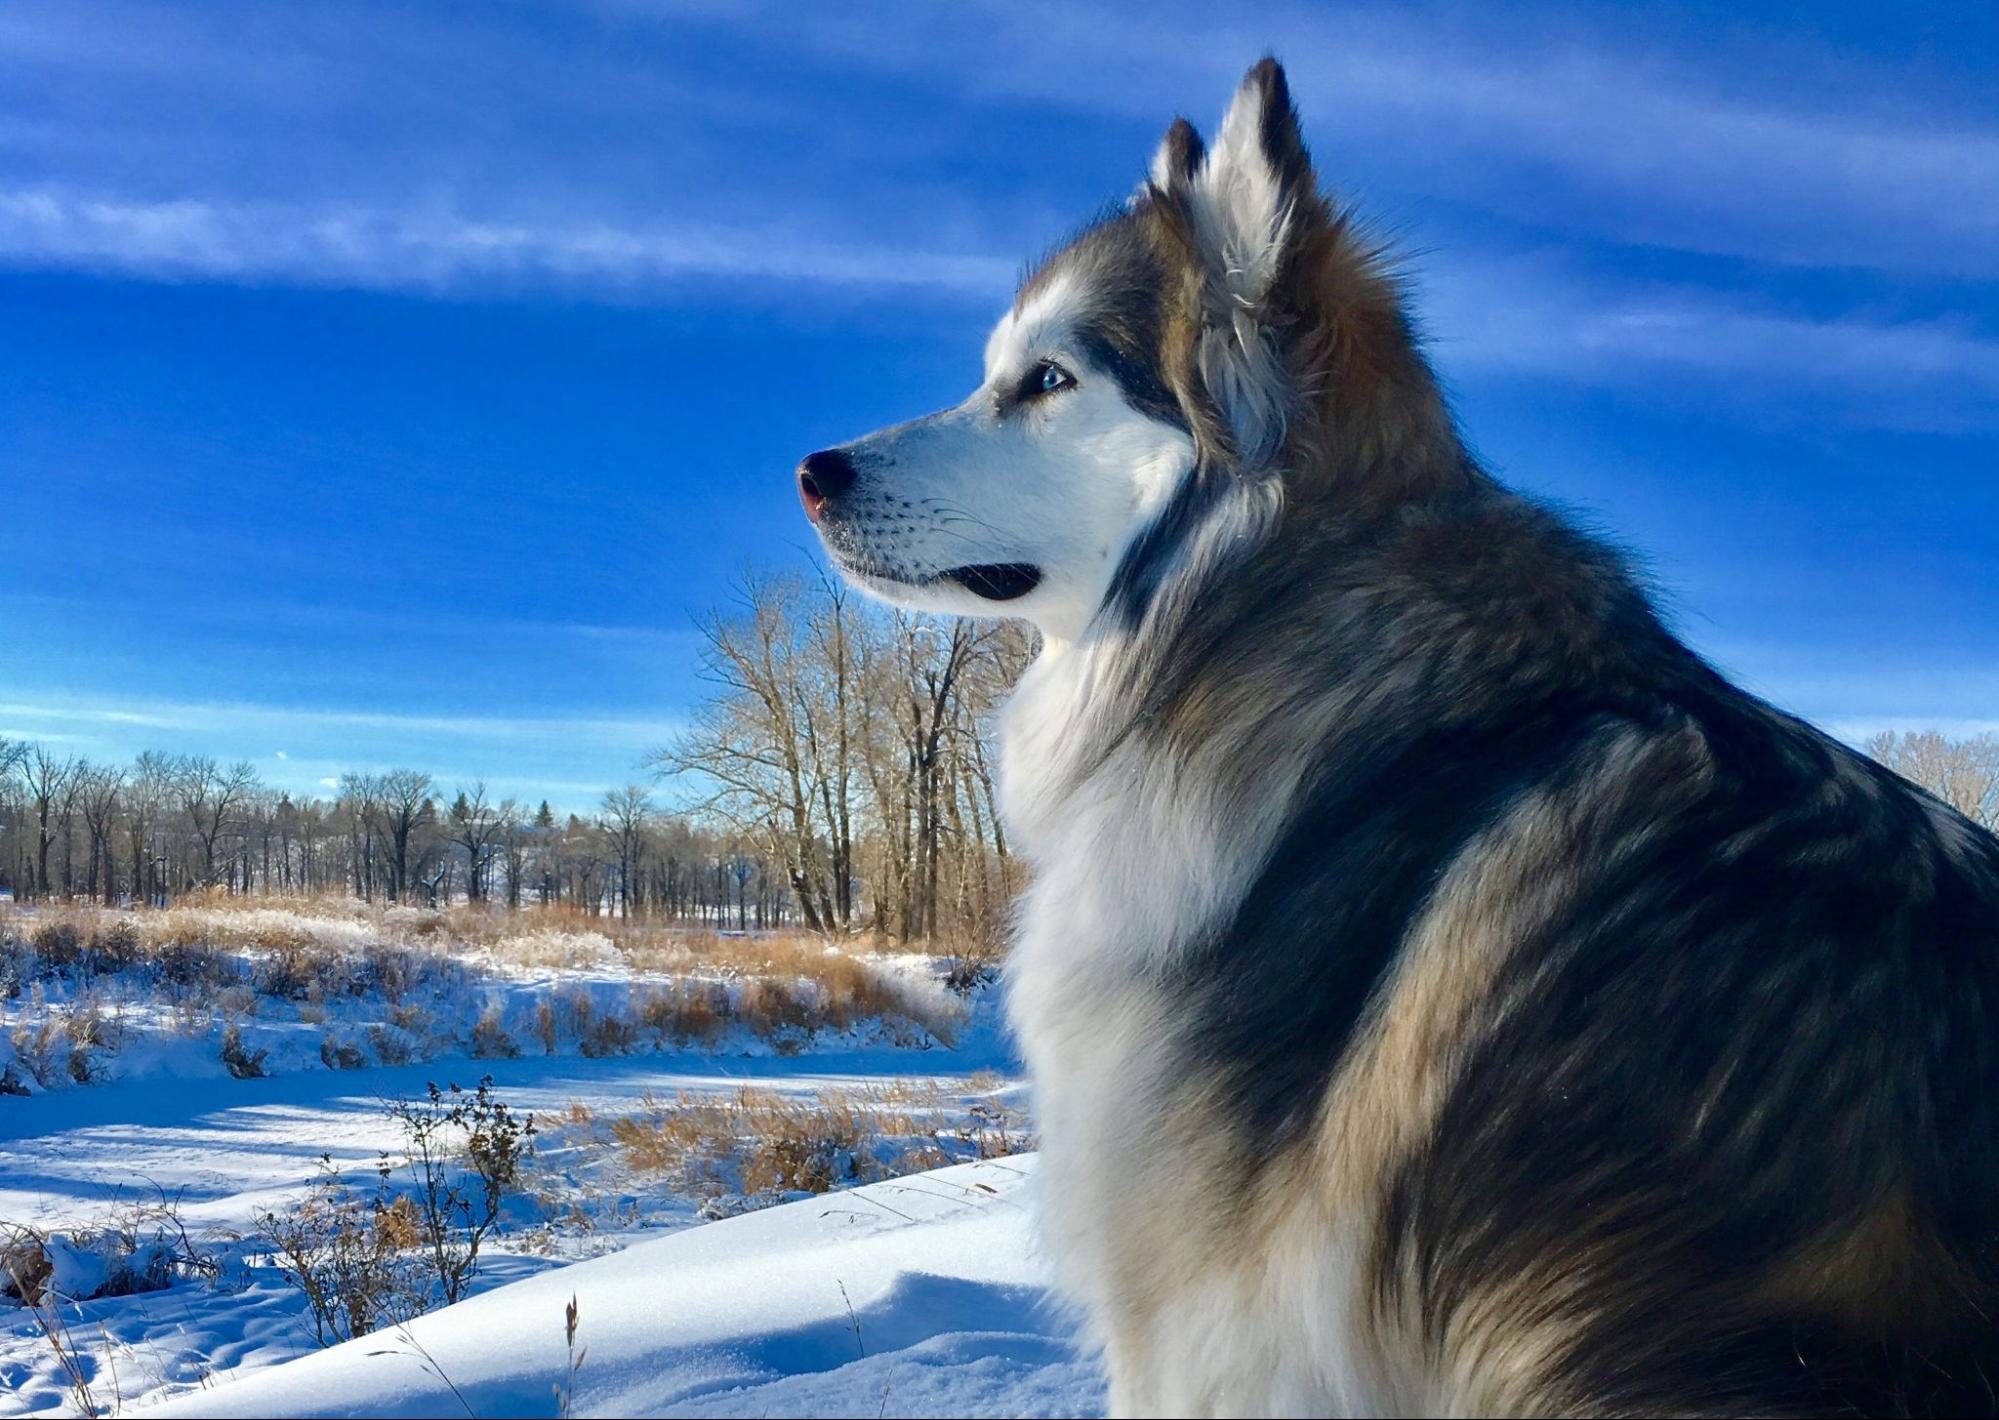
566,1392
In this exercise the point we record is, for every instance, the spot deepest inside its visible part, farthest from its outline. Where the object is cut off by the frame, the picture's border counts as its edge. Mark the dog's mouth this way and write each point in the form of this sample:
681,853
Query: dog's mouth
996,581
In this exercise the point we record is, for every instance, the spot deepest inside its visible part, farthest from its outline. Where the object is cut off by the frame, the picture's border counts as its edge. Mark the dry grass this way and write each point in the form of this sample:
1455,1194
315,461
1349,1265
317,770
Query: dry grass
142,1245
341,1055
761,1143
241,1062
217,956
57,1044
687,1012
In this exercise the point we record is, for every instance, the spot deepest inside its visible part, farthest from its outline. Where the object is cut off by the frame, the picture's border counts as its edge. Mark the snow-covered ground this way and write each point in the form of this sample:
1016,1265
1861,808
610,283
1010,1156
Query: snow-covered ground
919,1296
743,1316
677,1312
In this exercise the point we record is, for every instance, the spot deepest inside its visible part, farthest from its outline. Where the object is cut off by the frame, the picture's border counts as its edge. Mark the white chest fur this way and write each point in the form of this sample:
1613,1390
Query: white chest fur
1137,853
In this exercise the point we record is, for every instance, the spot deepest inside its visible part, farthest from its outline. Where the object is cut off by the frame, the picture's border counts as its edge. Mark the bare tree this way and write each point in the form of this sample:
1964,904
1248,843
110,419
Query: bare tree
474,827
360,799
49,782
99,791
213,799
512,830
1964,773
752,743
625,815
149,794
405,809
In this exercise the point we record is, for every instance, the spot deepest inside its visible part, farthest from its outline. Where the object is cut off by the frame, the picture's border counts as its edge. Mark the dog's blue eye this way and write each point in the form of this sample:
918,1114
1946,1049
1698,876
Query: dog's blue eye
1046,378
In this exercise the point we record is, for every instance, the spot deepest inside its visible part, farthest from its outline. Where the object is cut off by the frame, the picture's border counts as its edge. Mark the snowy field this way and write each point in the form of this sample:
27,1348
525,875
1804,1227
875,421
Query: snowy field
864,1160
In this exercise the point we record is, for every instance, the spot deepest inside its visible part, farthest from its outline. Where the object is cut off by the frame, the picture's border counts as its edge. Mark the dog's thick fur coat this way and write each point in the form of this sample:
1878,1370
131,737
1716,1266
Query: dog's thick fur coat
1445,993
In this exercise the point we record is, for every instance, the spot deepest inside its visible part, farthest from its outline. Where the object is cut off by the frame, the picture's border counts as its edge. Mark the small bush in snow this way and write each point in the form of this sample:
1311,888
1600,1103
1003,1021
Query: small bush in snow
607,1034
454,1212
144,1247
42,1050
490,1040
239,1060
341,1055
349,1256
363,1261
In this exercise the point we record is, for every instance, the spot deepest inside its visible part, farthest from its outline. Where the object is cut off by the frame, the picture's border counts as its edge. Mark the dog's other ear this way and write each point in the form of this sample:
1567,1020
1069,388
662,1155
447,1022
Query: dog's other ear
1248,204
1178,158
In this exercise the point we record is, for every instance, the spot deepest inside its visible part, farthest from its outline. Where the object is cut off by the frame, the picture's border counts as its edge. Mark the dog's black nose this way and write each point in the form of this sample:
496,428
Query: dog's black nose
826,474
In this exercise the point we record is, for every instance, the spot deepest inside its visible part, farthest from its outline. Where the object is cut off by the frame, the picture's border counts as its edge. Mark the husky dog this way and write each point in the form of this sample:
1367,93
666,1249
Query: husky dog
1445,993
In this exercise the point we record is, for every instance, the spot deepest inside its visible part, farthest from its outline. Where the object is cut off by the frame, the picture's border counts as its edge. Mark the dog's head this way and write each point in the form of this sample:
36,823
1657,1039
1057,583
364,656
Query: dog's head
1169,349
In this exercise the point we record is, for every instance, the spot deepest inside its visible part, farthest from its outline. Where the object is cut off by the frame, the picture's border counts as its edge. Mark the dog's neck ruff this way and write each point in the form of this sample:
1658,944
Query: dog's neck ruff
1084,704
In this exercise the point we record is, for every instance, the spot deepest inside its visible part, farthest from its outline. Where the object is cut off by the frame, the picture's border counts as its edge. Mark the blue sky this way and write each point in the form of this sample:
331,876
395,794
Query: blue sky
393,383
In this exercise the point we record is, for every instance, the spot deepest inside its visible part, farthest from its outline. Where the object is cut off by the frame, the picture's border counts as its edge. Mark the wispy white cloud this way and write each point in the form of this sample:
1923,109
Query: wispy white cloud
1534,315
40,735
240,717
287,149
1487,312
194,239
322,621
1774,148
570,760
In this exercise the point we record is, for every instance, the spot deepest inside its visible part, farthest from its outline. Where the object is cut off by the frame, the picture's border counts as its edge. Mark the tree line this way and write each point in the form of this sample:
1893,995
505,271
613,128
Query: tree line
164,826
837,776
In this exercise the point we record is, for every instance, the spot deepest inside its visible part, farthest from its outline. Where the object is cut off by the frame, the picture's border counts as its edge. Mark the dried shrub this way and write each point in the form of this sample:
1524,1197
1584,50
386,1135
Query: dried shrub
293,966
240,1061
685,1013
490,1040
607,1034
186,966
144,1246
341,1055
450,1215
116,944
391,1047
58,943
349,1256
41,1049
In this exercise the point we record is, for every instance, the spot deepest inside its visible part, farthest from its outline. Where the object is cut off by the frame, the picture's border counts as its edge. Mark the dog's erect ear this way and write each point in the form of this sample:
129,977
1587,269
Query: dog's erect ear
1254,178
1245,204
